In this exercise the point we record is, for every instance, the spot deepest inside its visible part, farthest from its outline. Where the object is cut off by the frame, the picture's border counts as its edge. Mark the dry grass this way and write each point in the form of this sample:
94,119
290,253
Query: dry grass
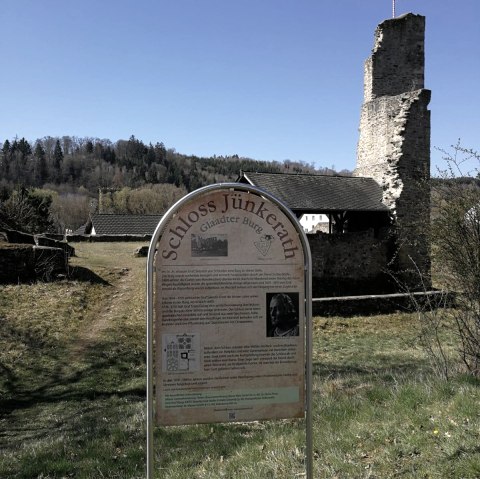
72,360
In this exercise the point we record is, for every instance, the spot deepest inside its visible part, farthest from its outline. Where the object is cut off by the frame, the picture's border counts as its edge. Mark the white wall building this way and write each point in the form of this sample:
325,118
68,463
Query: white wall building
314,222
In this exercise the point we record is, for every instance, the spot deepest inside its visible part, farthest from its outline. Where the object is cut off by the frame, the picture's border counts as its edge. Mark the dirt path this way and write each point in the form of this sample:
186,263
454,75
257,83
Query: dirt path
106,313
115,299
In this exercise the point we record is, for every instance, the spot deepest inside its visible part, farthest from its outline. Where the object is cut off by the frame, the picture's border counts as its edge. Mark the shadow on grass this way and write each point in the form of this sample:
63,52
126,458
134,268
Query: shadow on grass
86,383
79,273
90,403
99,377
42,396
186,446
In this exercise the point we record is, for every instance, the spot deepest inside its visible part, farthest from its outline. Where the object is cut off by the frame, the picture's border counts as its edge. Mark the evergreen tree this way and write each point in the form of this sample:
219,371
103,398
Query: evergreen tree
136,151
24,148
5,160
150,157
161,153
57,161
89,147
109,155
6,147
41,160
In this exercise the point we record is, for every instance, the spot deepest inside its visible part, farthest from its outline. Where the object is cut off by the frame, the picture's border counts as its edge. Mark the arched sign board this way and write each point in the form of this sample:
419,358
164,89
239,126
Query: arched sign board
229,311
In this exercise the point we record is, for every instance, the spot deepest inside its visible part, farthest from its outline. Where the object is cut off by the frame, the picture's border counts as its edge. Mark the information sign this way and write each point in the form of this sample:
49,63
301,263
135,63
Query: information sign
229,312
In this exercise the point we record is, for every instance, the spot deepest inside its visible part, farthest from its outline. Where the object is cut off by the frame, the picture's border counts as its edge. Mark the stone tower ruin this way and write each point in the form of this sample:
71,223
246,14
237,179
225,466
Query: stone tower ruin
394,141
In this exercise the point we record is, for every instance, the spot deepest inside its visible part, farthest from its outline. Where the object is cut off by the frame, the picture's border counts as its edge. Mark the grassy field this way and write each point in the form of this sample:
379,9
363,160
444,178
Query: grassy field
72,394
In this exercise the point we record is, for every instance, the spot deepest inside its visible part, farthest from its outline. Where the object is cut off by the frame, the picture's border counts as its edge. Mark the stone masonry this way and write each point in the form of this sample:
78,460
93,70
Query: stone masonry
394,141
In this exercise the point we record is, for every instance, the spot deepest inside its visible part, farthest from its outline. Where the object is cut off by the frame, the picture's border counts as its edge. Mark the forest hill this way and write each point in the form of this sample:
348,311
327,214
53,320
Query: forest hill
66,174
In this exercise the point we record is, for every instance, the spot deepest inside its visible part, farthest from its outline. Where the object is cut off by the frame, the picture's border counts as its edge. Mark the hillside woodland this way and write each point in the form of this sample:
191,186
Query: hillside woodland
52,184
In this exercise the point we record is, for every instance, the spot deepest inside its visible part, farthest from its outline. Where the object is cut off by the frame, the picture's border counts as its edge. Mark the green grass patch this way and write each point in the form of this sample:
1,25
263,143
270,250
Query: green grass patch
72,393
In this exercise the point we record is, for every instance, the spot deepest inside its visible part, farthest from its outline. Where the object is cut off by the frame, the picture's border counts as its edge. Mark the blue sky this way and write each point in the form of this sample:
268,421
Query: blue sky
270,80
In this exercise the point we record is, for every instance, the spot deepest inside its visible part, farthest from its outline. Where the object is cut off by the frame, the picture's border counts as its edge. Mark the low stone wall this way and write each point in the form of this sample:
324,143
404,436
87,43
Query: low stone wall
52,243
24,263
27,258
54,236
107,238
19,237
349,264
382,304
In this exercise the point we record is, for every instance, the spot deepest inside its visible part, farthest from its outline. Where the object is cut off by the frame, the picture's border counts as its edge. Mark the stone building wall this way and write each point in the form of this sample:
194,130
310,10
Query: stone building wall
349,263
394,141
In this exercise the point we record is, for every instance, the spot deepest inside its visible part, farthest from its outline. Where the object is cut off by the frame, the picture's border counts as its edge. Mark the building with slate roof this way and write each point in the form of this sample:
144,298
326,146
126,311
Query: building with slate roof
117,225
350,256
350,203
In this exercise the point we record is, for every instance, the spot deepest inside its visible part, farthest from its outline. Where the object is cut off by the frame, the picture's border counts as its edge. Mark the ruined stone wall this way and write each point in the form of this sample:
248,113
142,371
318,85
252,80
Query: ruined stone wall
394,142
397,63
28,263
28,258
349,263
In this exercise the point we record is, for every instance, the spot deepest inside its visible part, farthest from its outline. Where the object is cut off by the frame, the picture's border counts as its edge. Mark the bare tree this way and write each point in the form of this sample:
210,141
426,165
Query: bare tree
455,238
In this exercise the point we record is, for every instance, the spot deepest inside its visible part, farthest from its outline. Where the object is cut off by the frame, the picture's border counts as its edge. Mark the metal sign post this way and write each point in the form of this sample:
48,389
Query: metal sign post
229,282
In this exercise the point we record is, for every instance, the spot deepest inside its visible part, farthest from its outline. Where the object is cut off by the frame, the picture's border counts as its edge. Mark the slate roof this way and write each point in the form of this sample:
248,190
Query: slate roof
81,230
112,224
302,192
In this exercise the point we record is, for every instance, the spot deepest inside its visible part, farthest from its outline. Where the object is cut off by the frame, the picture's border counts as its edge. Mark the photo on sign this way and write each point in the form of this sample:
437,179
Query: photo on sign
209,245
282,315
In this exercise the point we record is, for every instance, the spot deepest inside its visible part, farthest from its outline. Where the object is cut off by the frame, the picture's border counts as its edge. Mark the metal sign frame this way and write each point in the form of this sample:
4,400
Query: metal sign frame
308,313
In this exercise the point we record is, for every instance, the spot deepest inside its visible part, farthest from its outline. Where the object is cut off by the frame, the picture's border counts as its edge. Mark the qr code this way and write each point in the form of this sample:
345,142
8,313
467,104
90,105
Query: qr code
232,416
